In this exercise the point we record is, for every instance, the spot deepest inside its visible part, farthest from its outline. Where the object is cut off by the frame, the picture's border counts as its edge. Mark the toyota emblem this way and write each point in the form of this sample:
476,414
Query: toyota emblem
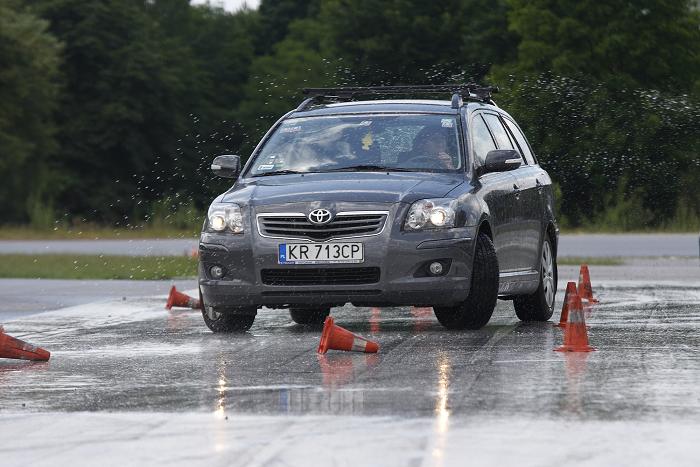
320,216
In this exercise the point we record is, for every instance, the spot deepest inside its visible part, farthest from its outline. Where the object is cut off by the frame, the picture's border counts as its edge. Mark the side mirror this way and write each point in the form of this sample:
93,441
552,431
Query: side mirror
226,166
501,160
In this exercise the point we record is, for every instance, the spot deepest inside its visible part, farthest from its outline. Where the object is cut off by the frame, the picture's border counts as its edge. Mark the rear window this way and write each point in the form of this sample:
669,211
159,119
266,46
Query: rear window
522,142
499,132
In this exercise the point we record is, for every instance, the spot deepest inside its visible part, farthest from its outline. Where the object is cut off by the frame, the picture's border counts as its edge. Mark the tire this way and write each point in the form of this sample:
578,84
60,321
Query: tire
229,320
540,305
309,316
476,310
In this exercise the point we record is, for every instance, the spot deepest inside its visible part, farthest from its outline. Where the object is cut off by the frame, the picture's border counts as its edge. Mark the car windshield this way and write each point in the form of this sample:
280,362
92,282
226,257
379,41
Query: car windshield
407,142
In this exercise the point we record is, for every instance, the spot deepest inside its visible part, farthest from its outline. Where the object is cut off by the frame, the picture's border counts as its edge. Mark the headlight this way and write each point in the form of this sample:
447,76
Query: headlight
431,214
225,216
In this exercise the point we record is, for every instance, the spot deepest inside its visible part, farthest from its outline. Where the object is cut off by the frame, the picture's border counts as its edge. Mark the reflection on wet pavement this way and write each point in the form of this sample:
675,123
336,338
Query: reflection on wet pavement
135,356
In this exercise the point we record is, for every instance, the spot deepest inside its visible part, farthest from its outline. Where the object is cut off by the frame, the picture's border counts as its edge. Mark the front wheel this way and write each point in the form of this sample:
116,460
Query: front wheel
229,320
309,316
540,305
476,310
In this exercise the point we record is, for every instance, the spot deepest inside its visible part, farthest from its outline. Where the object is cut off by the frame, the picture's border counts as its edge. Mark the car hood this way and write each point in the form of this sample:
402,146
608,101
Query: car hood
369,187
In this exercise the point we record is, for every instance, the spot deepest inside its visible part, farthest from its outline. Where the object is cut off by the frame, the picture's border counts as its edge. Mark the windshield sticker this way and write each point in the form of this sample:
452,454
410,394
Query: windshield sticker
367,141
290,129
365,122
447,123
266,166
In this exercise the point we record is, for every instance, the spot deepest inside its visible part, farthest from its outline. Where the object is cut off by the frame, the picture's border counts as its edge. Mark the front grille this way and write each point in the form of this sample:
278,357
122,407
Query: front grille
343,225
320,276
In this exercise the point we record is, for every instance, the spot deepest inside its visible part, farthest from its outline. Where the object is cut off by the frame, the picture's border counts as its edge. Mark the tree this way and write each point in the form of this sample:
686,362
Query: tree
276,80
212,51
119,110
601,90
29,61
645,44
417,42
274,18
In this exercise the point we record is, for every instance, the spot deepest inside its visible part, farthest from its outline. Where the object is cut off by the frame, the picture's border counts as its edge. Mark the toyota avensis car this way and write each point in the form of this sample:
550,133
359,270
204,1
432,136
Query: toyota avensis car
383,202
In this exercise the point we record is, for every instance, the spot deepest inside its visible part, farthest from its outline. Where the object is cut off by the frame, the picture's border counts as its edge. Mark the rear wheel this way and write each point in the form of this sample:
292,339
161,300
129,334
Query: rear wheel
476,310
540,305
309,316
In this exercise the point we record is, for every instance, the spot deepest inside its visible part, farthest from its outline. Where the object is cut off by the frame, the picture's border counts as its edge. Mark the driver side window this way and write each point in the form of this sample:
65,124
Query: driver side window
482,141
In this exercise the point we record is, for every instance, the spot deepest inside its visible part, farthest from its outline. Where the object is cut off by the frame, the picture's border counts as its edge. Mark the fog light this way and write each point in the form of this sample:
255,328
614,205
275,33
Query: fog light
435,268
217,272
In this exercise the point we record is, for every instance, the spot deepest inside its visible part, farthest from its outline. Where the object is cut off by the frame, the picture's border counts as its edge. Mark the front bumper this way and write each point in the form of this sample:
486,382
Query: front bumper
400,256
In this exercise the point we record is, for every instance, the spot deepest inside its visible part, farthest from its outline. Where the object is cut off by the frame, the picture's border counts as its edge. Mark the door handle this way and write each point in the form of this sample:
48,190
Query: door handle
516,189
539,185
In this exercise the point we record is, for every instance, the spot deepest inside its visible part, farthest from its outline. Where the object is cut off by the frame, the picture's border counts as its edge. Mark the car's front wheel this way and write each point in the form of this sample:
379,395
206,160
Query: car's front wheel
228,320
309,316
540,305
476,310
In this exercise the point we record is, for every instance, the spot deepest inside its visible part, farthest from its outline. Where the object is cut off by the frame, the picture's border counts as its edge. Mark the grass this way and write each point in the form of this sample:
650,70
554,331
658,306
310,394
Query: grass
92,232
576,260
69,266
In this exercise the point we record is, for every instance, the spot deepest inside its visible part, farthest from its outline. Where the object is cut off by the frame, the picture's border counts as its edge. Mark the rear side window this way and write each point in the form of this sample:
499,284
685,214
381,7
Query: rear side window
499,133
482,141
522,142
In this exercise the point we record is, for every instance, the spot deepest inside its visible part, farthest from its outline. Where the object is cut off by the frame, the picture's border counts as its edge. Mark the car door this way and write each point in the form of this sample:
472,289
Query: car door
496,189
524,237
533,180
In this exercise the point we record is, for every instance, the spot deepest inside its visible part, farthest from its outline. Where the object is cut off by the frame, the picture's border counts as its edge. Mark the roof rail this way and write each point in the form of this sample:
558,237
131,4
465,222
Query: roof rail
460,93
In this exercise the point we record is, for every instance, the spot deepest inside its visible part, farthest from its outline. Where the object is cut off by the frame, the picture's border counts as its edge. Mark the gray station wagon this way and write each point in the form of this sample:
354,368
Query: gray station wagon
437,203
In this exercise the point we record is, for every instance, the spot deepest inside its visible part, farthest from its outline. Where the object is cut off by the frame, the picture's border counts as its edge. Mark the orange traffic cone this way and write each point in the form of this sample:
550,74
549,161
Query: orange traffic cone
575,333
181,300
11,347
585,290
568,296
336,338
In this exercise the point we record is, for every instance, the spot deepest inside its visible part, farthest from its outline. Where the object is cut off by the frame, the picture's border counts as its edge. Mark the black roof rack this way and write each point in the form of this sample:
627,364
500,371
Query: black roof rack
460,93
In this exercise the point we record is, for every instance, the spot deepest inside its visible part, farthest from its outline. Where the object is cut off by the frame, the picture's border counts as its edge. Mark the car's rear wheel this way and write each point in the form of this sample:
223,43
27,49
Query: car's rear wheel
309,316
476,310
540,305
236,319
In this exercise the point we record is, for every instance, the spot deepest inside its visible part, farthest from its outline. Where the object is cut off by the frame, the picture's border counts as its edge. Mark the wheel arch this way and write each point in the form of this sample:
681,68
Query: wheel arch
484,226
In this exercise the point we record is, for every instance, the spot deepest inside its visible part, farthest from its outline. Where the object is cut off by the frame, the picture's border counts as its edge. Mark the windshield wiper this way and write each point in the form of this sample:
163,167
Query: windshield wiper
279,172
369,168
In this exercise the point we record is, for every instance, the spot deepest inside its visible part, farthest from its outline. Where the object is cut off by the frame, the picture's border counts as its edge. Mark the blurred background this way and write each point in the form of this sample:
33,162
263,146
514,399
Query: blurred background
111,110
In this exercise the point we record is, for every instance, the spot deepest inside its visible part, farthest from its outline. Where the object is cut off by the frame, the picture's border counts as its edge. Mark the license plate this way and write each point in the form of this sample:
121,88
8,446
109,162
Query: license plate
321,253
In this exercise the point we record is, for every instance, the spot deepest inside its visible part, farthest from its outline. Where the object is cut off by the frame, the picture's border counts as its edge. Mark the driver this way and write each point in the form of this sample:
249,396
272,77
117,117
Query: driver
430,150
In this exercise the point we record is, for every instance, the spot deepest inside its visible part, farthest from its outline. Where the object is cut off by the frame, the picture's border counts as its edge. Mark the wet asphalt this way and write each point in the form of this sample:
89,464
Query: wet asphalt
130,370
